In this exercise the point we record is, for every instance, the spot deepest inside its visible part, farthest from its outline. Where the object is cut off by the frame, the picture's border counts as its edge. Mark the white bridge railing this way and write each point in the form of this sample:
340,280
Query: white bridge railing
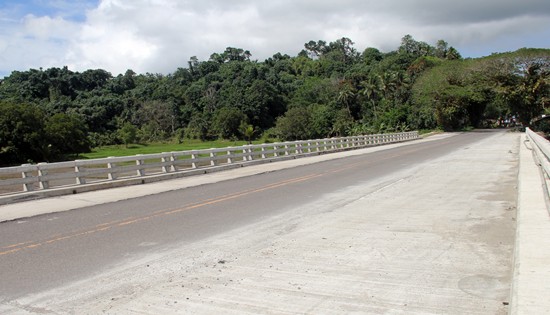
541,146
49,176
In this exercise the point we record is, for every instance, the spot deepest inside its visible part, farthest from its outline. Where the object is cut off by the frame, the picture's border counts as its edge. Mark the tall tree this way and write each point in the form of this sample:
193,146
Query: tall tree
66,135
22,137
522,79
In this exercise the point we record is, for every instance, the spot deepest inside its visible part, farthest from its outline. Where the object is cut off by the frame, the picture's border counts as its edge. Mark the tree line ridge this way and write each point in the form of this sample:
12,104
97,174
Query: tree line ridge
327,89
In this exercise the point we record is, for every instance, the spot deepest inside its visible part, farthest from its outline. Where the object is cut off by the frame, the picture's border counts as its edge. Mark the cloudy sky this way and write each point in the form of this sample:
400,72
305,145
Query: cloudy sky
158,36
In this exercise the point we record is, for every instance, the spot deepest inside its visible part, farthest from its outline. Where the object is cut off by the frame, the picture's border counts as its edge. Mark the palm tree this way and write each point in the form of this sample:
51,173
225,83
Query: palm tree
248,132
402,83
371,91
346,94
387,83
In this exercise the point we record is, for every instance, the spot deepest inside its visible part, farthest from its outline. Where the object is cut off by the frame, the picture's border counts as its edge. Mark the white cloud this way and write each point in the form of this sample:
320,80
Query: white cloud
46,28
34,42
159,36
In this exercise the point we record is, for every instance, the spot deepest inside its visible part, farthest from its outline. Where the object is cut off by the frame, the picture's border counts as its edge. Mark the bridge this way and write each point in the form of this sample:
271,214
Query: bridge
454,223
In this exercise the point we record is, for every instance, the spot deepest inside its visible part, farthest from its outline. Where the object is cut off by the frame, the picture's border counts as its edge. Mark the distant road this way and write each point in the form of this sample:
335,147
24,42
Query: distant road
53,251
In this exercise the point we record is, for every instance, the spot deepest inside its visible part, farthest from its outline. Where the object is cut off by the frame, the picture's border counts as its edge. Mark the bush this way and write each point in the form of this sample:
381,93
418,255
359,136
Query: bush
294,125
227,122
66,135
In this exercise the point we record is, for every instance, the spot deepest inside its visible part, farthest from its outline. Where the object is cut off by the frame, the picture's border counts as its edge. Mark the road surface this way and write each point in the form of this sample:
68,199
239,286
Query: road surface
424,227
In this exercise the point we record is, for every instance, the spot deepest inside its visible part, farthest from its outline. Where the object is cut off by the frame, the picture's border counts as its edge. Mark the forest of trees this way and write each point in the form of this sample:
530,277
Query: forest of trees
328,89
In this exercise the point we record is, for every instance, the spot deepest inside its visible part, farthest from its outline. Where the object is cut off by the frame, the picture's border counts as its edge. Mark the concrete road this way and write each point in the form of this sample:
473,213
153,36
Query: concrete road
426,227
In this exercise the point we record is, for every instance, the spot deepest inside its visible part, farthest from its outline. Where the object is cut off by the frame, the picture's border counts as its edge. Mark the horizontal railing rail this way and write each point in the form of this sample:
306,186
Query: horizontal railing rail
46,176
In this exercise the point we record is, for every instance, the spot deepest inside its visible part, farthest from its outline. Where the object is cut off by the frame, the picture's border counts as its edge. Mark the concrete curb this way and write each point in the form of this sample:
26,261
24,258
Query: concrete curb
531,279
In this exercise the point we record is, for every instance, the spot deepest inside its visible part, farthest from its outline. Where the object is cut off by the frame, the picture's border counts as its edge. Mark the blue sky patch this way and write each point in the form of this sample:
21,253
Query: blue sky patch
74,10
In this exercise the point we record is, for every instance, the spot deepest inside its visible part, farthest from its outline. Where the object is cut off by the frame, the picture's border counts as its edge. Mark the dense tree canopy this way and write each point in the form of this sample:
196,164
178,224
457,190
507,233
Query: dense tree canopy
477,92
328,89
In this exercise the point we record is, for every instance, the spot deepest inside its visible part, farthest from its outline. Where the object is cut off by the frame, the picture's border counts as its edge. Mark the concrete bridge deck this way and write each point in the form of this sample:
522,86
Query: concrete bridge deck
439,238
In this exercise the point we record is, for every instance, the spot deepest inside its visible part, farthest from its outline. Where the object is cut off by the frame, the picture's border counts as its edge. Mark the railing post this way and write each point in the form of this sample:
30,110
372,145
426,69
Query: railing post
286,149
139,162
170,159
80,180
165,168
193,162
275,153
112,169
173,166
229,158
26,174
213,161
44,184
263,152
